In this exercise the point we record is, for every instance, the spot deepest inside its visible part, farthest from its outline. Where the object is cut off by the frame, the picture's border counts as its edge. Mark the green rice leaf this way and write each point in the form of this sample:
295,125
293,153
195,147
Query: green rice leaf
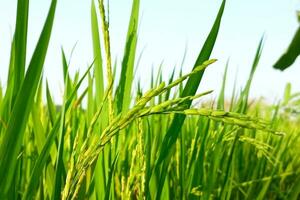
191,87
59,162
126,78
13,137
289,57
110,178
50,105
98,71
20,44
243,101
221,99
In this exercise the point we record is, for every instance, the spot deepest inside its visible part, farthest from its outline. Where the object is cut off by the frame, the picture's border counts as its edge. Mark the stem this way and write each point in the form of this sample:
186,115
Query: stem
105,31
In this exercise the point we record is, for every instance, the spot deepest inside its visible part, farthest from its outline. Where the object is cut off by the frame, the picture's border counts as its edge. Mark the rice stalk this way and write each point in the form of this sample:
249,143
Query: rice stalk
105,31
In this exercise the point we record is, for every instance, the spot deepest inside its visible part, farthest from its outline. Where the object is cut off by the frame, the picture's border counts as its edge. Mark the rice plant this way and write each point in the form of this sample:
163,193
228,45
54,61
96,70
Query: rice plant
111,140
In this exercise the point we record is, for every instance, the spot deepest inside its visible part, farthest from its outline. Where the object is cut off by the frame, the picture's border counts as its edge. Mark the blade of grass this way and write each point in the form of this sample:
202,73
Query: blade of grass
67,79
6,106
110,178
190,89
50,105
20,44
221,99
191,86
98,71
243,101
293,51
59,162
99,91
12,140
126,78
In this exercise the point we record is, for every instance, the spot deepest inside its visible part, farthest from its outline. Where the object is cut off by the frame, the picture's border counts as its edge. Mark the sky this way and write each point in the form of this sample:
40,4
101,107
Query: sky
167,28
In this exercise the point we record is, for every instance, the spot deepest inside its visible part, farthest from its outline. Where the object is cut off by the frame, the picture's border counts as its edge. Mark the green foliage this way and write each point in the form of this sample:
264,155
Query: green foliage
291,54
155,145
13,135
123,96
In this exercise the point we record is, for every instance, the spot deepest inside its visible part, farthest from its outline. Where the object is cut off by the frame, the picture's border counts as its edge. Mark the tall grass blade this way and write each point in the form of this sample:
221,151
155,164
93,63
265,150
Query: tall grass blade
221,99
13,137
126,78
59,162
20,44
110,178
243,101
50,105
191,87
98,71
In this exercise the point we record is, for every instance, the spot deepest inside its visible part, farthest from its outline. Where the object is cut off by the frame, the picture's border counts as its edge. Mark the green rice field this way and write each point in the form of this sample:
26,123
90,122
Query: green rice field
114,139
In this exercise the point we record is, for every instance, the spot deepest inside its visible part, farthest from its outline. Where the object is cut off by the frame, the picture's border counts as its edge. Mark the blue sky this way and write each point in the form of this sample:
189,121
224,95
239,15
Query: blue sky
167,28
